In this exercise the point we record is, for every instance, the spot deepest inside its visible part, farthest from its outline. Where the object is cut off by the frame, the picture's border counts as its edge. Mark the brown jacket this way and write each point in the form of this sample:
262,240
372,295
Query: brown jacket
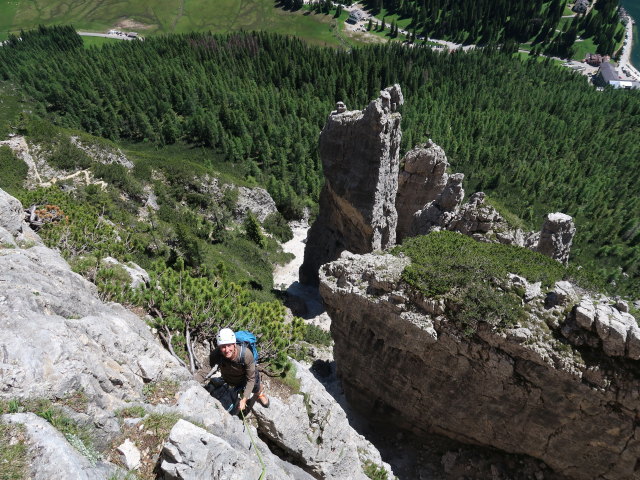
234,372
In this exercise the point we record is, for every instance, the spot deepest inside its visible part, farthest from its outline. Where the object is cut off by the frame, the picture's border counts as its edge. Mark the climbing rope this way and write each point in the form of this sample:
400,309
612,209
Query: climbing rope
255,447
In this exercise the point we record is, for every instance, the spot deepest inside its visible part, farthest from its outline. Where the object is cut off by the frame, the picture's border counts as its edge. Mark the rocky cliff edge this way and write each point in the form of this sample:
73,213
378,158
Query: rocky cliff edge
563,386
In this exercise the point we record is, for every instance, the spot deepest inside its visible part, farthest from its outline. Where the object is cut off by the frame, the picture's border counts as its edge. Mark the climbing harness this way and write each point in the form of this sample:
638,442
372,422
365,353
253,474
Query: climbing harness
264,467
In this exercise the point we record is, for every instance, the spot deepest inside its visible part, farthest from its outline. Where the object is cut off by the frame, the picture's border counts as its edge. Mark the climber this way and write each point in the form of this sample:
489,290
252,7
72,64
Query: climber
238,369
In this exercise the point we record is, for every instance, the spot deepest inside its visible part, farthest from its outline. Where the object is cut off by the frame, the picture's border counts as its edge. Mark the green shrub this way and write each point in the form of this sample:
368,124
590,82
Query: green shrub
444,260
253,230
80,228
118,176
469,275
13,171
201,302
66,156
36,128
161,423
276,225
135,411
478,302
373,471
316,336
13,452
113,282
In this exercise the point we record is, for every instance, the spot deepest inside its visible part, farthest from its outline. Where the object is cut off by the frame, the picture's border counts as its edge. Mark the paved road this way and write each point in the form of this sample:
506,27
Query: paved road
625,69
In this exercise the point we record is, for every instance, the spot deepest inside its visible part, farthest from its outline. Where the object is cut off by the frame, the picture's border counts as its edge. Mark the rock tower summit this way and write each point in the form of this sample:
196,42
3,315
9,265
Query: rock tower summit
359,150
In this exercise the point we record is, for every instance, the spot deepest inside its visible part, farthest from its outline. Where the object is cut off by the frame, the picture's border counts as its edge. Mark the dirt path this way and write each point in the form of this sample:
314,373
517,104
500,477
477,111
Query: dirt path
625,69
285,278
285,275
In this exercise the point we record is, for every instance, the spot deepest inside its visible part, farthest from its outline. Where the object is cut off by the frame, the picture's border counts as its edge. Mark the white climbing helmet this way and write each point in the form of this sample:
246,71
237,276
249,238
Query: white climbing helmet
225,337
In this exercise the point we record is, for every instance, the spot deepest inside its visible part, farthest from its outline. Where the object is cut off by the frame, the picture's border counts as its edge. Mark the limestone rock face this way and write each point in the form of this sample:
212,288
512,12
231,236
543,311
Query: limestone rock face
360,154
192,453
57,338
313,429
556,237
256,200
520,389
422,179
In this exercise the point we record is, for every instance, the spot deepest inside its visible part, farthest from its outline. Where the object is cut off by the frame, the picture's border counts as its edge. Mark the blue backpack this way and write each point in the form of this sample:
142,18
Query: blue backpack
245,339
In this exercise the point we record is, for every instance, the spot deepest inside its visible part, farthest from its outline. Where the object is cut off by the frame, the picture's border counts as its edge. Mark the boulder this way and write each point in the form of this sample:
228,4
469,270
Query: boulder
129,455
11,216
255,200
138,275
58,336
360,156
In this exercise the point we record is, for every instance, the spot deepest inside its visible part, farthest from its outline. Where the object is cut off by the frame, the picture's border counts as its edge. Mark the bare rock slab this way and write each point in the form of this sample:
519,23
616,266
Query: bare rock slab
313,429
192,453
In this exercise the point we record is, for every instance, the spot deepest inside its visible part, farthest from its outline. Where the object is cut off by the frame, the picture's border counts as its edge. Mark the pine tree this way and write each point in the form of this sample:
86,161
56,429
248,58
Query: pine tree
253,230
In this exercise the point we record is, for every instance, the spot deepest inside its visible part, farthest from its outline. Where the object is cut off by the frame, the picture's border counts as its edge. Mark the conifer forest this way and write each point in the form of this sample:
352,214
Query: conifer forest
509,23
535,137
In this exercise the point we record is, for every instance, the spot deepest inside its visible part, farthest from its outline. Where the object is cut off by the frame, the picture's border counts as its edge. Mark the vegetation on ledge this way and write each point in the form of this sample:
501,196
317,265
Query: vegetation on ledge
472,275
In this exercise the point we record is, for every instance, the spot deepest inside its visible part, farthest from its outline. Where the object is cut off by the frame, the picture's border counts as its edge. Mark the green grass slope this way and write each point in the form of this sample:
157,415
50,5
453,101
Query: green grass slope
150,17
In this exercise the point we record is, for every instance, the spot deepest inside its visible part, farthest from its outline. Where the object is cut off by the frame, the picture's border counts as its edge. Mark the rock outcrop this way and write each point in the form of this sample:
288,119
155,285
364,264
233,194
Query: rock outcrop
368,202
360,153
255,200
563,386
138,275
556,237
102,153
425,189
430,199
192,453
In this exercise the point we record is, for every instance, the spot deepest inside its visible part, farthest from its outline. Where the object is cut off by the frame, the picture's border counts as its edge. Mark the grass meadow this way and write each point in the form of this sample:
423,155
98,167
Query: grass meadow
99,41
151,17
